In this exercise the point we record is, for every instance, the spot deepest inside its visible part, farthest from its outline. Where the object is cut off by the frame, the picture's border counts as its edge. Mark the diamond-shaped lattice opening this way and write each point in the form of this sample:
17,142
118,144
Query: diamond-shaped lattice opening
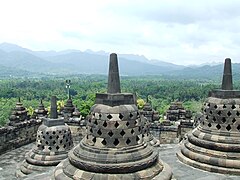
90,120
116,124
215,106
203,122
210,112
234,120
64,146
237,113
91,130
116,142
121,116
100,115
57,136
233,106
99,132
208,104
57,147
109,116
206,117
218,126
238,127
224,120
219,113
104,142
43,137
54,142
209,125
110,133
42,147
47,133
50,137
214,119
205,110
50,148
132,131
139,128
105,124
122,133
229,113
224,106
94,139
228,127
130,115
61,141
128,141
127,124
135,122
137,138
95,122
47,142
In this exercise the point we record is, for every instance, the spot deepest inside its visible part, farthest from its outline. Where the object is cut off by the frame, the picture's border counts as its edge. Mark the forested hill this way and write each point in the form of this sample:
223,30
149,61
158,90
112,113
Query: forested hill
18,61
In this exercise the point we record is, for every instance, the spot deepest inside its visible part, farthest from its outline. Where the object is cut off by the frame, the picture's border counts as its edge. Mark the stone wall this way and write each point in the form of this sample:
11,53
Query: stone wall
167,134
12,137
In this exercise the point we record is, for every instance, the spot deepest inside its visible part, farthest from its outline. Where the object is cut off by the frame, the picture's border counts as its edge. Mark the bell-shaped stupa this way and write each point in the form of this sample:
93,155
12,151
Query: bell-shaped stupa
214,145
113,147
53,142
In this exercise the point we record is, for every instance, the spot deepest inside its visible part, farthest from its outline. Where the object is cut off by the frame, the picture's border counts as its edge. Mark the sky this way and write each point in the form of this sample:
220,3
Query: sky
178,31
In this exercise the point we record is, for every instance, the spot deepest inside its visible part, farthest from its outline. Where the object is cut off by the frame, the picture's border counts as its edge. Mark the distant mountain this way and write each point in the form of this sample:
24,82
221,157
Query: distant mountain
76,62
14,57
206,72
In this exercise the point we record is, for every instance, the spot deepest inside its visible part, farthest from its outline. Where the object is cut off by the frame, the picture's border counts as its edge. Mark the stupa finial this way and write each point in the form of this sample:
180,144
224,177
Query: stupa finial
227,75
53,113
113,75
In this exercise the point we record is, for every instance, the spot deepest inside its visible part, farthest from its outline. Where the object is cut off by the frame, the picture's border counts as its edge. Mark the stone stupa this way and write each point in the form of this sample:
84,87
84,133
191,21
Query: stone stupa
18,115
53,142
214,145
113,147
41,111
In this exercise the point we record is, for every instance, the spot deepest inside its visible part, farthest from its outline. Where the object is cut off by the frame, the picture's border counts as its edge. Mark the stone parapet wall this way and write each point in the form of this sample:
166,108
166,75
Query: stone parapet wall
12,137
167,134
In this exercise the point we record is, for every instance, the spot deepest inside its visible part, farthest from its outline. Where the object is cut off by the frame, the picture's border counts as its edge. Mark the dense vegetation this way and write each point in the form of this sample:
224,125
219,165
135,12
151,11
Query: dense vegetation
160,91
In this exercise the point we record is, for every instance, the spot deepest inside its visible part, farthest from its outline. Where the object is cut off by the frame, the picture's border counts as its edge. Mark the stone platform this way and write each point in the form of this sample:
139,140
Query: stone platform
10,160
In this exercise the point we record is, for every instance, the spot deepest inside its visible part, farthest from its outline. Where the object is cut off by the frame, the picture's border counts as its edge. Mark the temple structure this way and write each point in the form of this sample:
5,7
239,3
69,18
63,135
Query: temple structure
41,111
68,109
214,145
113,147
18,115
52,145
176,112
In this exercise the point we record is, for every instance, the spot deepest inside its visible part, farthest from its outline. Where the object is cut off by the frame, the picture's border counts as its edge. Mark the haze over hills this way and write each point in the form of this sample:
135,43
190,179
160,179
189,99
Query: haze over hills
65,62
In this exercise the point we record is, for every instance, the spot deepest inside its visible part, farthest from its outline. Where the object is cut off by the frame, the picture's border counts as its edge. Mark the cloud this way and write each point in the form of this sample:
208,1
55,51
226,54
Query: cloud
178,31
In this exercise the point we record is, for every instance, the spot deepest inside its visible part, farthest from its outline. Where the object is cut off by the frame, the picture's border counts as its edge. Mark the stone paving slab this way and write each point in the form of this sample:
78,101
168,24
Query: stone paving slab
12,159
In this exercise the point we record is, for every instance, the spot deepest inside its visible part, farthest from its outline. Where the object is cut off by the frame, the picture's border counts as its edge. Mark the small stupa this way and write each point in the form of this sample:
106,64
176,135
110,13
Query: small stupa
113,147
41,111
18,115
53,142
214,145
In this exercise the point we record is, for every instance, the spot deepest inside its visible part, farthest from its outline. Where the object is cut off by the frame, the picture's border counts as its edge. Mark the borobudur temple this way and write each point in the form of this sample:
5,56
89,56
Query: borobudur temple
113,147
215,144
53,142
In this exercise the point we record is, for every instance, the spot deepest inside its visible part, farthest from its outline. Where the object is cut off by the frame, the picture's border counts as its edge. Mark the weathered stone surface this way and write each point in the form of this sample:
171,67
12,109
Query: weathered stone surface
214,145
53,142
114,146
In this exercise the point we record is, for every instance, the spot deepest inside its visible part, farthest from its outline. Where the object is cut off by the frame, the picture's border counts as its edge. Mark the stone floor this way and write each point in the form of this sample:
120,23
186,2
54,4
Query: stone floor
11,160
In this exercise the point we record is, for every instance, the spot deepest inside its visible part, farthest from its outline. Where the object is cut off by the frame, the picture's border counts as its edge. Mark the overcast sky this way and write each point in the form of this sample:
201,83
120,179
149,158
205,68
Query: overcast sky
178,31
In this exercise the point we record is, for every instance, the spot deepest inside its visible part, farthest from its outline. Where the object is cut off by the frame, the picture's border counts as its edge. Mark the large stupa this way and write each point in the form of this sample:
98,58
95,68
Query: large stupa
113,147
214,145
